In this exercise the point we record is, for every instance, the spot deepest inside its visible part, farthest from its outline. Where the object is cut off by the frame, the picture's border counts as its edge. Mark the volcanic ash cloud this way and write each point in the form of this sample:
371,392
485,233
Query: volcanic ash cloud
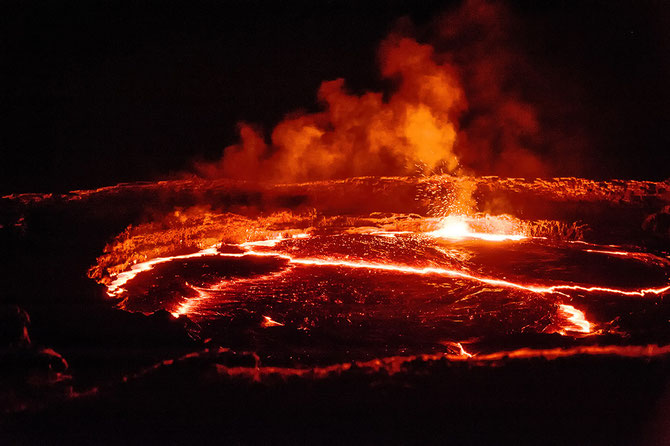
457,106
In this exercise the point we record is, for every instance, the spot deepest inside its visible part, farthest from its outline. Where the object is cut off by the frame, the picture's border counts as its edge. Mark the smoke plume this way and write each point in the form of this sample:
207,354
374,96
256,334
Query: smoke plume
458,106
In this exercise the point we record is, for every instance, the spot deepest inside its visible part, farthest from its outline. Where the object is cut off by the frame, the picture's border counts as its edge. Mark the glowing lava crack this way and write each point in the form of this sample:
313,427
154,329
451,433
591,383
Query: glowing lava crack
115,288
354,293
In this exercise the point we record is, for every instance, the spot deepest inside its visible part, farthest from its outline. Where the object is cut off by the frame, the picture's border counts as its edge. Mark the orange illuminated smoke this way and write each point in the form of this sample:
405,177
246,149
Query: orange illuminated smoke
361,135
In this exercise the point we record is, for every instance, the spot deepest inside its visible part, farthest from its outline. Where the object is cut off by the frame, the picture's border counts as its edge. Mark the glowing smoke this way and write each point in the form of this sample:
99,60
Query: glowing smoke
455,108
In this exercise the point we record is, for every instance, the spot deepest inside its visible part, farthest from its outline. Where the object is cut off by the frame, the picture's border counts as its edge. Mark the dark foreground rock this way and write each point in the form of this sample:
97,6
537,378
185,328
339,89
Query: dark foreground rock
96,345
577,400
30,375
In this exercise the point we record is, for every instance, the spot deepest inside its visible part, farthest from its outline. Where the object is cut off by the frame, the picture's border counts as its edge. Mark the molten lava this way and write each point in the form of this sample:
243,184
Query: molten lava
447,282
458,227
576,318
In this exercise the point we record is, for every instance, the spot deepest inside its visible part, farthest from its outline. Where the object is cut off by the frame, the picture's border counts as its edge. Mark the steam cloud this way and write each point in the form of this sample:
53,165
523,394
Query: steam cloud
458,107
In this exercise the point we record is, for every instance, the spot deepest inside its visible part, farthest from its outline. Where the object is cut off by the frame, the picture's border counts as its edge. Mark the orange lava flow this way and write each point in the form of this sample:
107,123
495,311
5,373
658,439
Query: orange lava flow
629,351
397,364
457,227
115,288
451,273
576,318
611,253
269,322
187,306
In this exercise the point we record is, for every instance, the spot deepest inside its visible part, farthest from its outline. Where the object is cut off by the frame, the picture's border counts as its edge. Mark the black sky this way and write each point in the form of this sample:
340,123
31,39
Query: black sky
96,93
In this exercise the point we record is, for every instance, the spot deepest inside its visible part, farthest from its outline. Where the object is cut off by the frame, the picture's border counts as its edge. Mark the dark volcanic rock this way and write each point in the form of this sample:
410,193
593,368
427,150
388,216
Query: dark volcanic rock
658,223
569,401
13,326
29,375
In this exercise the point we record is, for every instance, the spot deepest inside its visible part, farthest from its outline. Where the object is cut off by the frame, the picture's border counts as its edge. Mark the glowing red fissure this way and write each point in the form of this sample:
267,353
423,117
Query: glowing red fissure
576,318
115,288
396,364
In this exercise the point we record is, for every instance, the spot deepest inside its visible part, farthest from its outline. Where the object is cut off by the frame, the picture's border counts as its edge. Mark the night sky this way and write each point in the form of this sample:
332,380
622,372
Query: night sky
96,93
